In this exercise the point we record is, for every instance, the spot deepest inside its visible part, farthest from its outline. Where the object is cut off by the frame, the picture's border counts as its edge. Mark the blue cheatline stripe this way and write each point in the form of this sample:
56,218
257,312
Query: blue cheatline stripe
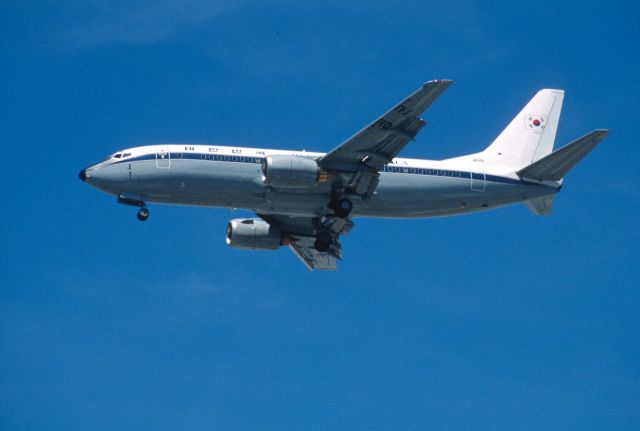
449,173
388,168
195,156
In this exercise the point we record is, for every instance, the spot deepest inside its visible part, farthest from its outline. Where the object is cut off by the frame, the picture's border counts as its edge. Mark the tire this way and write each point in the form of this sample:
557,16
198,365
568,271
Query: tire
343,208
143,214
323,241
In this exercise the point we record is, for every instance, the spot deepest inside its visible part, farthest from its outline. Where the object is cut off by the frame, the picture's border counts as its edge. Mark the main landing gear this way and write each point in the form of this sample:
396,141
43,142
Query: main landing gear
143,214
323,241
341,206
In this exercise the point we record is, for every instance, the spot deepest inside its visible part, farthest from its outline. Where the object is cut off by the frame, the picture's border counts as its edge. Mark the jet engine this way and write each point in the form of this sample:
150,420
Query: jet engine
254,234
291,171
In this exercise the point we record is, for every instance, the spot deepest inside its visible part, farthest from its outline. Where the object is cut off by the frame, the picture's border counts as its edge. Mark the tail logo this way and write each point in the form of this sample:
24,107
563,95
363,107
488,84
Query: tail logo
536,123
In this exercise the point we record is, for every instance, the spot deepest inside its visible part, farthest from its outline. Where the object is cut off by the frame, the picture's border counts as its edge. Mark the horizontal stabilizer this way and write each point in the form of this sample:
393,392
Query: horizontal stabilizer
554,166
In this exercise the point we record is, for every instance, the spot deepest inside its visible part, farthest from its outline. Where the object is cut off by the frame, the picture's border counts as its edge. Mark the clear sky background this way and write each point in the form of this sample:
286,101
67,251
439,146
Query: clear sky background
495,321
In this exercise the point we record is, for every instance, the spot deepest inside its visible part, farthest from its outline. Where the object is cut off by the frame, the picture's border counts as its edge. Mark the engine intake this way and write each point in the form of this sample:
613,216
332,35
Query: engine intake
290,171
254,234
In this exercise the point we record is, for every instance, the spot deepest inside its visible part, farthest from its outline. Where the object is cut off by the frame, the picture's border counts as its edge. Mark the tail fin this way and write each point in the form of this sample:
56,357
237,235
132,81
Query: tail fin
531,134
554,166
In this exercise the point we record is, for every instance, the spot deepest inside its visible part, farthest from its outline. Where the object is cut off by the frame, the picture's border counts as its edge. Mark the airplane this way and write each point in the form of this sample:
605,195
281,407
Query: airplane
307,200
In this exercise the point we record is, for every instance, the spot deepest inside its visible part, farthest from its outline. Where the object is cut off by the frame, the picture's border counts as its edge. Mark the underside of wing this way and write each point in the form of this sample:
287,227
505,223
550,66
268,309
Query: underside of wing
315,240
304,248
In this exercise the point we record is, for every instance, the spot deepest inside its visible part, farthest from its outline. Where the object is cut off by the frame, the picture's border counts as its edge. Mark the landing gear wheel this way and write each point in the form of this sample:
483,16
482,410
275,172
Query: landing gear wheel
343,208
323,241
143,214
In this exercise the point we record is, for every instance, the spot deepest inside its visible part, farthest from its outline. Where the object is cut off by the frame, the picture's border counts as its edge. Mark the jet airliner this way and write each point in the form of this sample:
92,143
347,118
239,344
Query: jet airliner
307,200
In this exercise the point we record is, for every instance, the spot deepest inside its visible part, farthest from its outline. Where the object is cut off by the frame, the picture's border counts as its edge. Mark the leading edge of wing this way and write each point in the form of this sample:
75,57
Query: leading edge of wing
421,99
403,114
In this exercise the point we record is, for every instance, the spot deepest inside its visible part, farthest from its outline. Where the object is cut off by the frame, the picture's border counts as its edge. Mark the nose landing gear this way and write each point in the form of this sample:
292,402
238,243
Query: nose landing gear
135,201
143,214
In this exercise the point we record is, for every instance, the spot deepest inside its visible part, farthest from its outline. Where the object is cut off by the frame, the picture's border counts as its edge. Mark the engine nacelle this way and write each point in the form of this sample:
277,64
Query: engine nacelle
290,171
254,234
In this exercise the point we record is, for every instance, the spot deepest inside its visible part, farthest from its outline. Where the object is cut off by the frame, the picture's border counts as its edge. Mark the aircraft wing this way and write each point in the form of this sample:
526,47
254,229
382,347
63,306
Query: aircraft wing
313,259
302,233
373,147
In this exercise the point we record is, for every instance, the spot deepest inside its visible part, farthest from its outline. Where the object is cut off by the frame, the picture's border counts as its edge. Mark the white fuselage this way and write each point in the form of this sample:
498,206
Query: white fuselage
231,177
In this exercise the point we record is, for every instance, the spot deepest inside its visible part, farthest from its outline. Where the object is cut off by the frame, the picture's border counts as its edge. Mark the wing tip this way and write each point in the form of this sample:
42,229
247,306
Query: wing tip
598,134
603,132
439,82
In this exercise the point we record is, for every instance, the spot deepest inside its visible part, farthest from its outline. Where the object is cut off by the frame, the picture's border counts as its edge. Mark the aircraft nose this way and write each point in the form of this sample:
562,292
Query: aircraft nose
83,175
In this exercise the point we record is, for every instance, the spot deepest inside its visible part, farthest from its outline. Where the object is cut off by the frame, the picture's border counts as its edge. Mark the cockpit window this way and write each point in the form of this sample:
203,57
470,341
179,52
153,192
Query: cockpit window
126,155
117,156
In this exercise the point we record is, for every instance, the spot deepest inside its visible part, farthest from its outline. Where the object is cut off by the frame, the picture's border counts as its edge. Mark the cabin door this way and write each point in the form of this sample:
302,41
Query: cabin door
163,159
477,175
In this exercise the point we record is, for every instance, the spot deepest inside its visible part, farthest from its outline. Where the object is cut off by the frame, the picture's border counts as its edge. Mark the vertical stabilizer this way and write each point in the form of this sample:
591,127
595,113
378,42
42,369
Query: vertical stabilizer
531,134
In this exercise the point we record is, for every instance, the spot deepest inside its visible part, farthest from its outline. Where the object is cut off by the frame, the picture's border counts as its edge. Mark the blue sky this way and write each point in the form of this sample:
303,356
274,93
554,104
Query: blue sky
500,320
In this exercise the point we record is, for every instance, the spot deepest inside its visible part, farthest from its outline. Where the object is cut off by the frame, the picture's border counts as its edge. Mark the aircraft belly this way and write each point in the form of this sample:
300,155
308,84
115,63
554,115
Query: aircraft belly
294,204
197,182
412,196
405,196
